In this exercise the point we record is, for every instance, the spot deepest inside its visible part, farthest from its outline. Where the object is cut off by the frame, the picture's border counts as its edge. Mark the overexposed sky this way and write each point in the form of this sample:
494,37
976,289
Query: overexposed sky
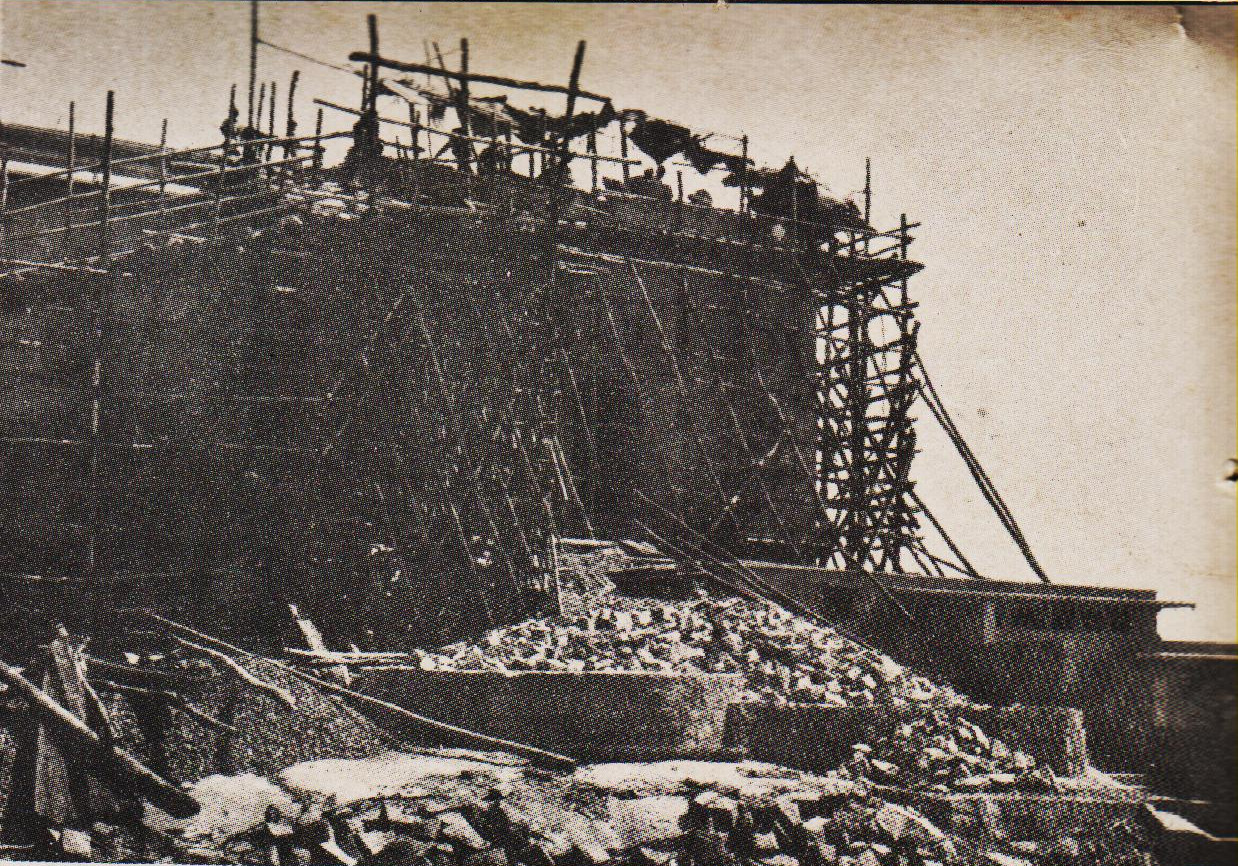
1073,167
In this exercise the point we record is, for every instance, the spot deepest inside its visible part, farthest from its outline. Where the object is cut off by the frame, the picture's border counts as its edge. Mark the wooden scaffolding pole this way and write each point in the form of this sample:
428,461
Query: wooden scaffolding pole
478,78
105,183
71,165
253,59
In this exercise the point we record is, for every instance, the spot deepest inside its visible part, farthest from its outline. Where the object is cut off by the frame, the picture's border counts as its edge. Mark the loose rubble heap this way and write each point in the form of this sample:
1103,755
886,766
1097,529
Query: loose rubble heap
945,751
784,657
464,811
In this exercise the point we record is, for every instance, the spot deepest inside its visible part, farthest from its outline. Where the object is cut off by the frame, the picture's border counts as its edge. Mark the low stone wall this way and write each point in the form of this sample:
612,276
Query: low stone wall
592,716
998,815
597,716
819,737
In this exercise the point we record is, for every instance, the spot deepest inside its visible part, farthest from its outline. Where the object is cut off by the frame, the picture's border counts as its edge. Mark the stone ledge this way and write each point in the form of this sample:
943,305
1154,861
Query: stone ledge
593,716
819,737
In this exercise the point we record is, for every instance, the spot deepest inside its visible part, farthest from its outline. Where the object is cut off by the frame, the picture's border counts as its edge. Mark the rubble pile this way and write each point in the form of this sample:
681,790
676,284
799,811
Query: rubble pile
940,751
784,658
675,813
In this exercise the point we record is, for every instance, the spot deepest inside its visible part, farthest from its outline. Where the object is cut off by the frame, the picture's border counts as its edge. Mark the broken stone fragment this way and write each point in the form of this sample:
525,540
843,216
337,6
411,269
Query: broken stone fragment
885,770
765,843
997,858
582,835
537,854
868,857
779,860
455,828
485,857
648,819
972,783
646,856
788,808
397,851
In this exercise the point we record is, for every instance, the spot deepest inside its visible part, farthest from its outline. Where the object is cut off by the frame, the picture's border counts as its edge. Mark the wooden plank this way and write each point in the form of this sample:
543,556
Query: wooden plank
237,668
538,756
108,760
479,78
313,638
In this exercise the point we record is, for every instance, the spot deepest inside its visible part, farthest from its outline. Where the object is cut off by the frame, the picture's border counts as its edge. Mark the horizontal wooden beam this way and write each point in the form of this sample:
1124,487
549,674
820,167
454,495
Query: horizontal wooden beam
514,148
475,77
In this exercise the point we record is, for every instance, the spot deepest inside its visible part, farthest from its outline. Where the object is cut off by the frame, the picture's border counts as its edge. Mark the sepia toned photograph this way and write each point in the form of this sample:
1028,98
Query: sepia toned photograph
618,434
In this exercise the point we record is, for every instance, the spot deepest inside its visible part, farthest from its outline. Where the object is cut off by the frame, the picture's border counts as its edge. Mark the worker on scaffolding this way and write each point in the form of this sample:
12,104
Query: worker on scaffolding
494,159
461,149
651,184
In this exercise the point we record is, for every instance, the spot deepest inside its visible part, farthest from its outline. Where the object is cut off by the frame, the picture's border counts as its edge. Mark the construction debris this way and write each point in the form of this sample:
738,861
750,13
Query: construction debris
94,750
945,751
444,810
783,657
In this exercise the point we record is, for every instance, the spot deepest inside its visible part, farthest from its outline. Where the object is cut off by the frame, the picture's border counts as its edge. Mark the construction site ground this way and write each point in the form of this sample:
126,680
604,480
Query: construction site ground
301,776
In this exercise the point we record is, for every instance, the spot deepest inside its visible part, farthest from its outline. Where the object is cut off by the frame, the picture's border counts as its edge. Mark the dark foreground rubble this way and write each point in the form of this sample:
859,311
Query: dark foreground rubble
476,809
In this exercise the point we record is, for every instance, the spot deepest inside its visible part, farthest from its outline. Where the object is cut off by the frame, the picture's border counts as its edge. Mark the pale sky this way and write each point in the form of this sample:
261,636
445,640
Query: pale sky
1073,168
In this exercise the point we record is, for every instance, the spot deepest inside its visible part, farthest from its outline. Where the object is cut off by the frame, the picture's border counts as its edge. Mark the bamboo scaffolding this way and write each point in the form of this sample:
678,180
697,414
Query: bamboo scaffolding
473,139
977,471
464,77
155,157
630,369
681,387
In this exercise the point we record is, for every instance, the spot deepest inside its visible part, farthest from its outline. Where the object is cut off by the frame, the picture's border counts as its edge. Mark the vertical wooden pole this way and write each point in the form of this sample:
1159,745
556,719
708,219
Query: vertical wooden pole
105,185
256,125
542,142
623,149
795,207
371,106
163,171
218,191
253,59
573,88
903,242
103,285
71,165
271,119
290,123
743,175
463,90
232,117
318,145
679,197
536,159
593,163
868,190
4,207
573,82
463,105
414,117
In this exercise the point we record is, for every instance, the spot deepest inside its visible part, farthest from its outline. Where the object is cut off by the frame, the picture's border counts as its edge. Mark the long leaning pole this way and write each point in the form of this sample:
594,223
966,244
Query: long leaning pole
108,760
